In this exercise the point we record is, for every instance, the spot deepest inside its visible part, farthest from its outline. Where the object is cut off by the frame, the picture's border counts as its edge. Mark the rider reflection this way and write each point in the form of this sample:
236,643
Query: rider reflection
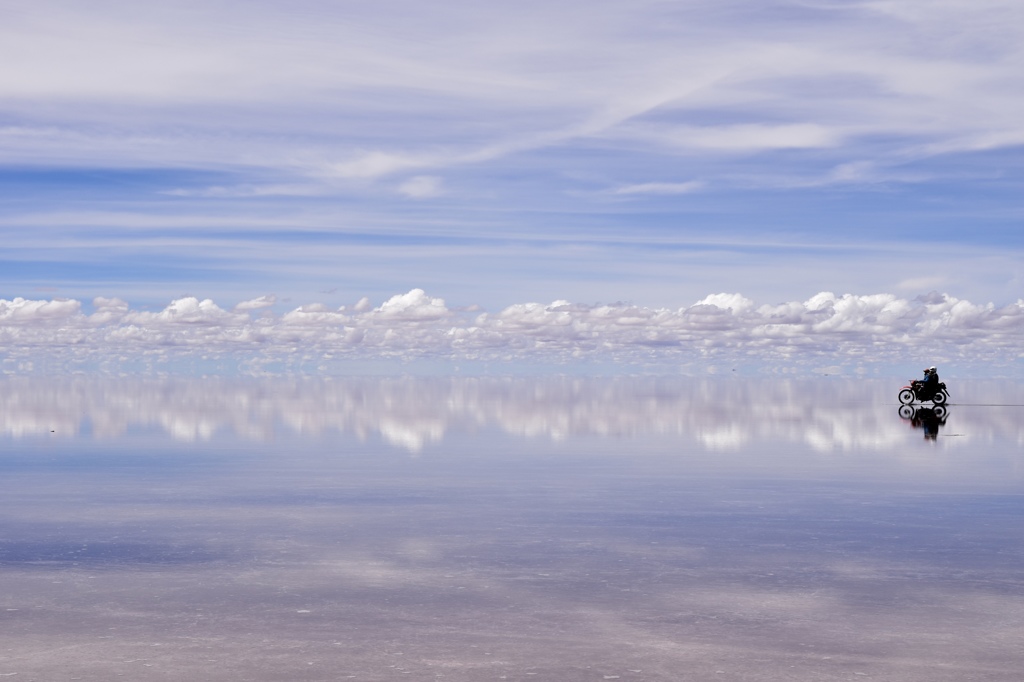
929,419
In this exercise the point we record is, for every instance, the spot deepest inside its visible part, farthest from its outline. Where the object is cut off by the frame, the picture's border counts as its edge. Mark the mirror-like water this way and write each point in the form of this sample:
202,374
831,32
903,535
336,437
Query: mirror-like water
462,529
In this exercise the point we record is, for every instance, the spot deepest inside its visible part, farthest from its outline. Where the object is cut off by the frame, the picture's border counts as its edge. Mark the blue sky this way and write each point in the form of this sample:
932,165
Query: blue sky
649,153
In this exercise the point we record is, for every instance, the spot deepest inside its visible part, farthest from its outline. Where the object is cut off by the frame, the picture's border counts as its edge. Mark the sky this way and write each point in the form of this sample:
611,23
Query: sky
755,184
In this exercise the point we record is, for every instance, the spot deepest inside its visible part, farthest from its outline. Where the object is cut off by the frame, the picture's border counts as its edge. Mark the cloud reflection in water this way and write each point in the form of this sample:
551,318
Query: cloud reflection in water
412,413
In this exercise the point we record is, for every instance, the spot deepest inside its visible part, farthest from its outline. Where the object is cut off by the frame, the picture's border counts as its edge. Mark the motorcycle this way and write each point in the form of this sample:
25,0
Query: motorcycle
918,390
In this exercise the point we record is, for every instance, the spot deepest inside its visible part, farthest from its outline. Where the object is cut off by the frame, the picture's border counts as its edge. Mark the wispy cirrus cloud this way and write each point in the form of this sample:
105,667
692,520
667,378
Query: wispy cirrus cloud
951,75
661,188
422,187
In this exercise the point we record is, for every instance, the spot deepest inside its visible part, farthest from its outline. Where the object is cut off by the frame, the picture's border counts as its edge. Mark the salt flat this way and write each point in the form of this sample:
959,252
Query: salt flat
474,529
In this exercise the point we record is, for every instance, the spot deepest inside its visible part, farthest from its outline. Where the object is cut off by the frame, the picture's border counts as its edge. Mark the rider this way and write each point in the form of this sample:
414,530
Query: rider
929,384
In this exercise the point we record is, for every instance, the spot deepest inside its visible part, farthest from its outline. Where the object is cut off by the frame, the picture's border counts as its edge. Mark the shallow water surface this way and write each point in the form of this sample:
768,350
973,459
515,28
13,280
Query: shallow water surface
486,529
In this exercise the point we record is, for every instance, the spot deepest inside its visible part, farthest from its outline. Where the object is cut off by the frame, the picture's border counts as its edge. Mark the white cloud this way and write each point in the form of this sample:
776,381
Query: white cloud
422,187
108,310
314,316
733,302
413,306
726,328
27,312
757,137
257,303
243,191
186,312
369,165
661,188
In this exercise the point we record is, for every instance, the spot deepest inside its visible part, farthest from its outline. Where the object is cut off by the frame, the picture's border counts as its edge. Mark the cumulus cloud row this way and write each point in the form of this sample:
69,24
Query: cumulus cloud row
826,328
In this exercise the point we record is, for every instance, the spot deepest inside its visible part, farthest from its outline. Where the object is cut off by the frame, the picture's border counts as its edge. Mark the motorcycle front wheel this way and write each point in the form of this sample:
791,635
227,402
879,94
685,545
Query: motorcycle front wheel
906,396
939,398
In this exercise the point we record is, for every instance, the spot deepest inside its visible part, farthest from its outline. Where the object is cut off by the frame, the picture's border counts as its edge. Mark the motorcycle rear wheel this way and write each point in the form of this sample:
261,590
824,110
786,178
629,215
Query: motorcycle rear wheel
906,396
939,398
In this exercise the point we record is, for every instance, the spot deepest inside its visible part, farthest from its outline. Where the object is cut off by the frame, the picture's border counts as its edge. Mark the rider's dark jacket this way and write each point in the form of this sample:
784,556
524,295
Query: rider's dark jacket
930,383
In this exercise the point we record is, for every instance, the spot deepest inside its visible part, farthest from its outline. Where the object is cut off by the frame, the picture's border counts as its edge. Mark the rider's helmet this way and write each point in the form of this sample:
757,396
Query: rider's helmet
932,370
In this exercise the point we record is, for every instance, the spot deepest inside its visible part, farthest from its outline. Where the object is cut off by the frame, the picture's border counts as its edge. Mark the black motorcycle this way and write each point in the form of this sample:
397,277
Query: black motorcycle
920,391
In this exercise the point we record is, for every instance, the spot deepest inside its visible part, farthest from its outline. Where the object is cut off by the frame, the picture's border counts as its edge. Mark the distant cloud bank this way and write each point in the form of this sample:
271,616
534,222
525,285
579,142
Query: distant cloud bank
824,330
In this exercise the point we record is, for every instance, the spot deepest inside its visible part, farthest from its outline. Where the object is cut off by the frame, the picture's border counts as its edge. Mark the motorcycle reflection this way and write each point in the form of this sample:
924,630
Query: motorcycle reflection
930,419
